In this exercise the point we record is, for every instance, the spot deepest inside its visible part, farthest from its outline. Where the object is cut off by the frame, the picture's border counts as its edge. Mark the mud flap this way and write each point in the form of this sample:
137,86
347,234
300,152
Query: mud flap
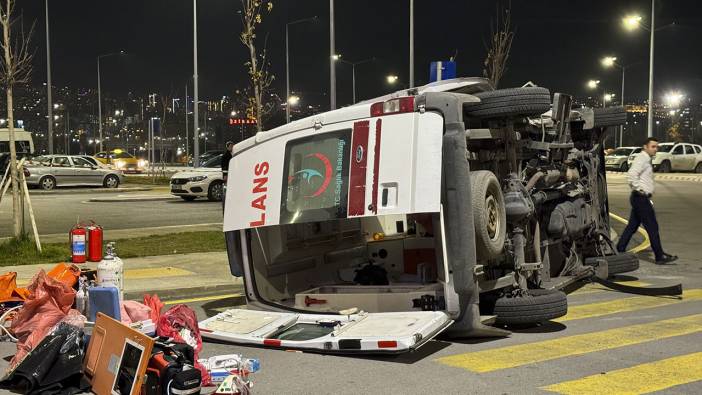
460,234
673,290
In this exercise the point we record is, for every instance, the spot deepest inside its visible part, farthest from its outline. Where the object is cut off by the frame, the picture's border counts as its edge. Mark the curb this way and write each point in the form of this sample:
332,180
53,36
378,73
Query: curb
167,295
665,177
91,190
132,199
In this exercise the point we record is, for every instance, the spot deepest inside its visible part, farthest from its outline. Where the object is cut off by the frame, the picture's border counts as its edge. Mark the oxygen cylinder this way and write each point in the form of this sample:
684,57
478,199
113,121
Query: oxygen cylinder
110,270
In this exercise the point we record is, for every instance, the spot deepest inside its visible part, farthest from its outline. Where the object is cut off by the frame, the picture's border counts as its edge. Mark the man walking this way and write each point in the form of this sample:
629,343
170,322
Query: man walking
226,157
640,178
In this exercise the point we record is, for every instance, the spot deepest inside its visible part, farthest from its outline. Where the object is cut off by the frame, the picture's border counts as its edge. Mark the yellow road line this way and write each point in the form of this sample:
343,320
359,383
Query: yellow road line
202,299
640,379
523,354
155,272
625,304
594,288
645,244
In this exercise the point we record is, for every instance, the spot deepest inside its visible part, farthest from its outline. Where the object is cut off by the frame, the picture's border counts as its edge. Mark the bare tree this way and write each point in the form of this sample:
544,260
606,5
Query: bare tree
260,79
501,36
15,69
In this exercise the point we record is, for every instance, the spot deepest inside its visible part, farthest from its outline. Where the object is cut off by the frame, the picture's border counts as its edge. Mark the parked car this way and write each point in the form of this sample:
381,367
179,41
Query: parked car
205,157
618,158
51,171
678,157
94,161
632,155
122,160
375,227
205,181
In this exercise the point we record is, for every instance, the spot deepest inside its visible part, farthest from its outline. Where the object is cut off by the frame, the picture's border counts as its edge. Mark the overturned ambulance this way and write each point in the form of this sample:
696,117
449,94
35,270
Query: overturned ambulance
450,207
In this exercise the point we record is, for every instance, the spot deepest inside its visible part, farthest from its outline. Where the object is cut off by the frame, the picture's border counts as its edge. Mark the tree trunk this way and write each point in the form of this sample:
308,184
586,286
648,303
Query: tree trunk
14,176
255,79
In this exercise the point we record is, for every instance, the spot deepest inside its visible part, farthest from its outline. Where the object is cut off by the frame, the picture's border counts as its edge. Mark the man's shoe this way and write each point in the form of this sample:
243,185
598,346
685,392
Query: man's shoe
667,259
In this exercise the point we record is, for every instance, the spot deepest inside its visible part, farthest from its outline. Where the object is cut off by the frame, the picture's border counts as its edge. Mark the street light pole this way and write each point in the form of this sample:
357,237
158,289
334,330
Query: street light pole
621,128
332,64
187,152
196,121
287,63
411,46
50,106
353,70
650,69
99,104
287,74
100,92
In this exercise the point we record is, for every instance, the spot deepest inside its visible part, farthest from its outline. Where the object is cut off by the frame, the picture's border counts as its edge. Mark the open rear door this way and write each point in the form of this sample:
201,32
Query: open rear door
356,333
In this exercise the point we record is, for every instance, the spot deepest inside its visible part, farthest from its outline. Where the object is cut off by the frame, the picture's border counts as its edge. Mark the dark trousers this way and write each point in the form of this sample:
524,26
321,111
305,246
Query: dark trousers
642,213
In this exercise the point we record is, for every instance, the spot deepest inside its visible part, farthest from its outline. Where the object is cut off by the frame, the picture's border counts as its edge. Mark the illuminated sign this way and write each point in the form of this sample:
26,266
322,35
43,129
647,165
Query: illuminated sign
242,121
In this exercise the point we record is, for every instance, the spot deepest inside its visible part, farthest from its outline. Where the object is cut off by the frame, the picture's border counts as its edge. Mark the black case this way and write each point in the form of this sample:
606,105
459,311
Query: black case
185,382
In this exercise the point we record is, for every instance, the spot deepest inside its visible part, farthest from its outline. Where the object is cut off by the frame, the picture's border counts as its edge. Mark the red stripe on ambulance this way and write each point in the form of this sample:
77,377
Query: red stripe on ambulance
376,164
359,161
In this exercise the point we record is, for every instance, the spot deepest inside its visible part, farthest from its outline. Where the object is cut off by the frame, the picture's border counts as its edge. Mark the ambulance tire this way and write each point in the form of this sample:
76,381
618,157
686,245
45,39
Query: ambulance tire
513,102
621,263
536,306
489,214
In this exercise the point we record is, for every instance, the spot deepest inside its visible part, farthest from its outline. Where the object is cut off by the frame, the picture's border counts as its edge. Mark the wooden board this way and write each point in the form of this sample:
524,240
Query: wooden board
104,355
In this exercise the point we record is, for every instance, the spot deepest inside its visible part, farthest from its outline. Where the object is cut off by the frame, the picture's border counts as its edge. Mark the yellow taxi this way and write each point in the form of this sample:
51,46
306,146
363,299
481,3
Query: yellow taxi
122,160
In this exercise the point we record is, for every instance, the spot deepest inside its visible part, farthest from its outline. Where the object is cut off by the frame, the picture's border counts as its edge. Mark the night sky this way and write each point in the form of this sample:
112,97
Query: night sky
558,44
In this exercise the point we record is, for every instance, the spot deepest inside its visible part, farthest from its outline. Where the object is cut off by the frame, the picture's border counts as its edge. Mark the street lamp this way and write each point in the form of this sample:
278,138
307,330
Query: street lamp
287,60
592,84
353,71
611,61
100,93
392,79
293,100
673,99
631,22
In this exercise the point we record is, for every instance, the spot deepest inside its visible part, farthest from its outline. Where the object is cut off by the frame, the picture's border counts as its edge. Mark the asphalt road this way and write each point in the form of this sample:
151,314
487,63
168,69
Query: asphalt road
608,343
57,213
613,353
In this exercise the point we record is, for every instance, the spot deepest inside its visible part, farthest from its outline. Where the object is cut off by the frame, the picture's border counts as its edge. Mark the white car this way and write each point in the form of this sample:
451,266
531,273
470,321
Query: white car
206,182
678,157
618,159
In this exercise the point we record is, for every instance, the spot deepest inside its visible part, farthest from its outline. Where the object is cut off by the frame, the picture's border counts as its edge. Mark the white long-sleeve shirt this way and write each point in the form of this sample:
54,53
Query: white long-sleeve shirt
640,174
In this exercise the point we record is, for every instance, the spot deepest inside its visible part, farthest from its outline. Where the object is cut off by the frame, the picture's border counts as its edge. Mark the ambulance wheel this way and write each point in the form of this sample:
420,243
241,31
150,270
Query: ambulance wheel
621,263
47,183
535,306
215,192
528,101
489,215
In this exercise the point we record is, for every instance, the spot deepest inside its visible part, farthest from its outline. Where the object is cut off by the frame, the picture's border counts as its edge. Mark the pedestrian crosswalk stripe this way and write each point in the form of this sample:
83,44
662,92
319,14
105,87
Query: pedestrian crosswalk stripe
593,288
625,304
640,379
523,354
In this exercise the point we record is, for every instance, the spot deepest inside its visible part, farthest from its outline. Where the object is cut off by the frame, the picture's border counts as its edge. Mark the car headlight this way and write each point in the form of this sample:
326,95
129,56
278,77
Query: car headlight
141,163
119,164
197,178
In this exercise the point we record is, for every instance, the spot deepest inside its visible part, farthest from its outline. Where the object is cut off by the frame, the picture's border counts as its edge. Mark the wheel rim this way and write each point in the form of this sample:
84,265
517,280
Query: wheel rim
47,183
492,214
217,191
111,182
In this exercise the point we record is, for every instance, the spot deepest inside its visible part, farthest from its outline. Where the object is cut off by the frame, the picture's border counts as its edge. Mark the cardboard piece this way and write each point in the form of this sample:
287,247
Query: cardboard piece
116,348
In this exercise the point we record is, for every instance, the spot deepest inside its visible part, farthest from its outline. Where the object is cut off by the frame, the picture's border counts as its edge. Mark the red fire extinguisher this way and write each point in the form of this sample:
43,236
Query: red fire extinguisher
77,237
94,242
